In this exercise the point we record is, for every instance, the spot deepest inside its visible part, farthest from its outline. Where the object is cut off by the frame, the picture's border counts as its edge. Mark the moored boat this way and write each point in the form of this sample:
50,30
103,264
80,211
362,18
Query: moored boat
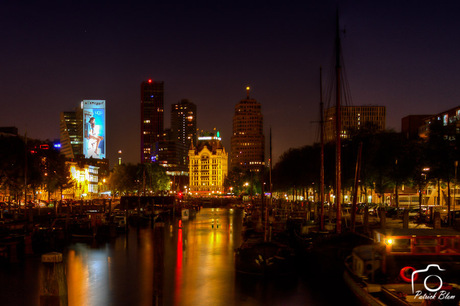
264,258
406,267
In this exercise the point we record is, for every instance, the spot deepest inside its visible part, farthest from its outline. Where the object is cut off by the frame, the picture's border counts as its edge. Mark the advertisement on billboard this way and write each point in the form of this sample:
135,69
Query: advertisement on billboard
94,129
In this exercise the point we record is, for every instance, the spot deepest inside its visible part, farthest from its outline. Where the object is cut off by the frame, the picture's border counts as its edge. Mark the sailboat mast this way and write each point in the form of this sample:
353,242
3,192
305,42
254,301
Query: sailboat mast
321,107
270,181
338,125
270,163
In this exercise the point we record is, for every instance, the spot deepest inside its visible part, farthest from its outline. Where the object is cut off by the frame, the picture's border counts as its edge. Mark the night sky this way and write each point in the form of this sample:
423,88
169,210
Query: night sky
404,55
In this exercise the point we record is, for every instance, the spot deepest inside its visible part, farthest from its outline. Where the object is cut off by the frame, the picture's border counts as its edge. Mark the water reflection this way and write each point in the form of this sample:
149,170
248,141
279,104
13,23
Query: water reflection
183,263
205,259
189,263
87,276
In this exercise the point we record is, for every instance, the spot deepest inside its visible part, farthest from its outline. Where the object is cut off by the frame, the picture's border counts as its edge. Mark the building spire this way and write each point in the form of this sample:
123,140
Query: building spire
247,91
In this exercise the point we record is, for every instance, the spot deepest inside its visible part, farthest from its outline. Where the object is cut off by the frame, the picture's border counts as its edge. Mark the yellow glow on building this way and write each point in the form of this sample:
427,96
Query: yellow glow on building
86,178
208,166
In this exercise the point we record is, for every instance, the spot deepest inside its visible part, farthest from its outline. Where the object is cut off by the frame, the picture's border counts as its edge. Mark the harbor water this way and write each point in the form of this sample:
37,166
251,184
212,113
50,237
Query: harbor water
184,262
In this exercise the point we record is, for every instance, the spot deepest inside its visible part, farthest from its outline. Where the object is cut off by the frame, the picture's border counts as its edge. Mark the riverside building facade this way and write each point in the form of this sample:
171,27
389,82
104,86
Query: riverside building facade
208,165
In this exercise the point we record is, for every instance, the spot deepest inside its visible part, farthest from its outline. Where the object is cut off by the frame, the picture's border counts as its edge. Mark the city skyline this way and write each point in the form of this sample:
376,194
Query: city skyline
398,55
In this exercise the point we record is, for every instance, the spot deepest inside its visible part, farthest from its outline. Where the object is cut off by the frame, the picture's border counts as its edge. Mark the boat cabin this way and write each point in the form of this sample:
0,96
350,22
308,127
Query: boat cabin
401,249
400,241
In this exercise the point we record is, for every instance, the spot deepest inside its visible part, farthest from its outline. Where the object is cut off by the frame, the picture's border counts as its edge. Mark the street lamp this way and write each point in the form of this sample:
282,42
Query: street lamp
422,184
247,188
119,157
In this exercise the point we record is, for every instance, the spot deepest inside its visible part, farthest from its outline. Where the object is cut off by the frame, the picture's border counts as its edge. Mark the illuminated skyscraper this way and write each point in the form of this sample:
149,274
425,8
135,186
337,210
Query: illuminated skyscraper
183,128
73,135
152,101
248,141
71,130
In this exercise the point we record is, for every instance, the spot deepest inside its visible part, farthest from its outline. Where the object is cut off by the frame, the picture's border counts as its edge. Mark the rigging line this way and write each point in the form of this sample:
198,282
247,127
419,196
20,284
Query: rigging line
346,87
318,129
348,100
318,126
330,85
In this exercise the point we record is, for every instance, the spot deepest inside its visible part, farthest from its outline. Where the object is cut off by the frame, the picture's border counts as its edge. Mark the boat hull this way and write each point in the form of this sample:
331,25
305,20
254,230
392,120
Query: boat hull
264,259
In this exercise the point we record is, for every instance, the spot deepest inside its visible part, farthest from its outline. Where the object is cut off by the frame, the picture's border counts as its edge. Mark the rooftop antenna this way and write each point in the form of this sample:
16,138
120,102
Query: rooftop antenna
247,91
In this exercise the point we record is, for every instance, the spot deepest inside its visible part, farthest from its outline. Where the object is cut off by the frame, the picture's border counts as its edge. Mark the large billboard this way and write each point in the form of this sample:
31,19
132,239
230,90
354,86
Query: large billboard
94,128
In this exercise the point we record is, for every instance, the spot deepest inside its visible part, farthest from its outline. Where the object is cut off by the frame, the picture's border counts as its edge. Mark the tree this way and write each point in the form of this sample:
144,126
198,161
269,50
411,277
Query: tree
235,180
123,179
12,161
55,171
131,179
441,152
244,181
154,176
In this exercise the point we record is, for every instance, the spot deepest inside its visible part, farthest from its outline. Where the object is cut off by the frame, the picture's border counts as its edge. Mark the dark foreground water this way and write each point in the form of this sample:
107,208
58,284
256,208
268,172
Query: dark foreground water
183,263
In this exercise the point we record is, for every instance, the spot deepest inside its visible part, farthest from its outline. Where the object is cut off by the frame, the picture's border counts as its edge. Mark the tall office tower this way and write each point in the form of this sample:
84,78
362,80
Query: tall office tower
354,118
183,128
71,133
152,100
248,141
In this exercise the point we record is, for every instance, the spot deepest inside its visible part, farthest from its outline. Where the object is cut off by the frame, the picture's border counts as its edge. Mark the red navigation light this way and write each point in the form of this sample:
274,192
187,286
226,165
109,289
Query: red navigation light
150,80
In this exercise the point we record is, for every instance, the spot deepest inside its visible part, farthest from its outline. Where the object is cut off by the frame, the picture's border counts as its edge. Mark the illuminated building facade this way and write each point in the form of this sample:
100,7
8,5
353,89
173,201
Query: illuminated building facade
248,141
83,131
183,129
168,154
354,118
71,133
208,165
94,129
449,117
86,181
75,141
152,117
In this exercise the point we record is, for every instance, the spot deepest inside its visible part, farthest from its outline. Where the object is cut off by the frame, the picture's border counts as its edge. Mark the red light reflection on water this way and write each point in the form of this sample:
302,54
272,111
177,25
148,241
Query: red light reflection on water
178,274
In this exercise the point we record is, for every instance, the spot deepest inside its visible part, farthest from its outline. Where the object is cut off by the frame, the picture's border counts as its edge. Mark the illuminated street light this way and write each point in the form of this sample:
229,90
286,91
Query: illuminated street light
119,157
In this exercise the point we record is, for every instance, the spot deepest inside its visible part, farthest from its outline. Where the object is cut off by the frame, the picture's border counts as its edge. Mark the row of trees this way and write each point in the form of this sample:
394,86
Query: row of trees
388,161
32,166
26,166
239,182
140,179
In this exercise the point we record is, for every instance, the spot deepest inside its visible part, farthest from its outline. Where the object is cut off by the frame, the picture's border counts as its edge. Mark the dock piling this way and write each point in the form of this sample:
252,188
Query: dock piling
53,282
